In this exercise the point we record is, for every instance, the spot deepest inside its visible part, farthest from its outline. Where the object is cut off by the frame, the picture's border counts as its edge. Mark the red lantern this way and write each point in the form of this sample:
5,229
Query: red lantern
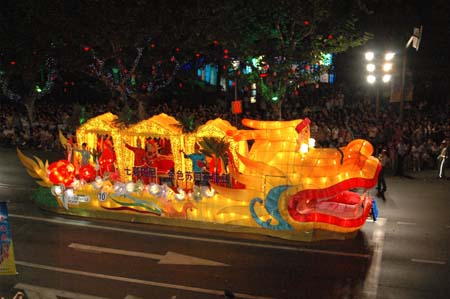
236,107
61,172
87,173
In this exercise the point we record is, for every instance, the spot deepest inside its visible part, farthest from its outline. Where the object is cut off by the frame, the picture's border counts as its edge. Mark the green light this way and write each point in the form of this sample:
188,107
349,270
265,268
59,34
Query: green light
326,59
275,98
38,89
115,75
257,62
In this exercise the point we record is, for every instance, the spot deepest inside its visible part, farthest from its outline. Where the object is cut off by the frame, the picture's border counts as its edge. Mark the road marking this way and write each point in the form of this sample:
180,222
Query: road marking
429,261
2,185
36,292
182,237
136,281
406,223
380,221
373,274
170,258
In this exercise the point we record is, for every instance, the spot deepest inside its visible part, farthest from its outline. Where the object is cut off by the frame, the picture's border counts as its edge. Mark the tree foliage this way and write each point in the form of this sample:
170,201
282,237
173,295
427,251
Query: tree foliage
136,47
287,33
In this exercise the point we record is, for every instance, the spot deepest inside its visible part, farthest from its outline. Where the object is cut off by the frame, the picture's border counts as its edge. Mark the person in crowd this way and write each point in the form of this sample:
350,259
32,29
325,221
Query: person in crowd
401,151
416,156
352,119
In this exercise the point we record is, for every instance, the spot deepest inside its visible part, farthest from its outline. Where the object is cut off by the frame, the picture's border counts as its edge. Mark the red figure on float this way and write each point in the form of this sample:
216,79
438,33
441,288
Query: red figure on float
151,153
151,157
108,156
140,162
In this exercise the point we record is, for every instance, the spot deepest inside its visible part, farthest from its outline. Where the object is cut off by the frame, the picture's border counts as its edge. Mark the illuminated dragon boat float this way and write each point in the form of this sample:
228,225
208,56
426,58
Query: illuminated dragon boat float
268,179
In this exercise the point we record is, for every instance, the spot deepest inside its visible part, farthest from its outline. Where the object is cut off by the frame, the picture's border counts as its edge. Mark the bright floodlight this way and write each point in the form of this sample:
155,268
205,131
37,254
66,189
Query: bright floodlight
389,56
371,79
370,67
387,67
369,56
386,78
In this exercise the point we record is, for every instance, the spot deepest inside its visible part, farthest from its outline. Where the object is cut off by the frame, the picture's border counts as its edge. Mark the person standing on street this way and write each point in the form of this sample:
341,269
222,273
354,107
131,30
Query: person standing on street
384,160
442,160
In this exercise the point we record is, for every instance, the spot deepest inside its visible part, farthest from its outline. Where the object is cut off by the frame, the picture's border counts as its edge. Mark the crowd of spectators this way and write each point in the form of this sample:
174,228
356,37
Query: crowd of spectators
335,121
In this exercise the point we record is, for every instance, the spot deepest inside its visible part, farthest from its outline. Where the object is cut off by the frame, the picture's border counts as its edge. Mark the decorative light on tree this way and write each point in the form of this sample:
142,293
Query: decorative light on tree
125,80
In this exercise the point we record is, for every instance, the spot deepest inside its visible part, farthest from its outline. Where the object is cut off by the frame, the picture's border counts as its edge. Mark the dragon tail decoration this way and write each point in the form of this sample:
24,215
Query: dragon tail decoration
271,206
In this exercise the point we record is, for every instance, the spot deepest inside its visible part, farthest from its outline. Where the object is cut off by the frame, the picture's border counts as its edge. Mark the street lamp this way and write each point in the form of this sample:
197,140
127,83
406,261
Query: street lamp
379,69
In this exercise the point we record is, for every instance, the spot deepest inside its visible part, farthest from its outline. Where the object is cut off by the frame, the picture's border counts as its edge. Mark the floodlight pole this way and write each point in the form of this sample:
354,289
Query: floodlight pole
402,89
377,101
414,40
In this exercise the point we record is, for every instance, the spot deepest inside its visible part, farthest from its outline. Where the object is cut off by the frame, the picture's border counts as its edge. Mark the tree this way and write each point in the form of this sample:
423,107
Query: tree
188,123
135,48
281,42
216,149
28,68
